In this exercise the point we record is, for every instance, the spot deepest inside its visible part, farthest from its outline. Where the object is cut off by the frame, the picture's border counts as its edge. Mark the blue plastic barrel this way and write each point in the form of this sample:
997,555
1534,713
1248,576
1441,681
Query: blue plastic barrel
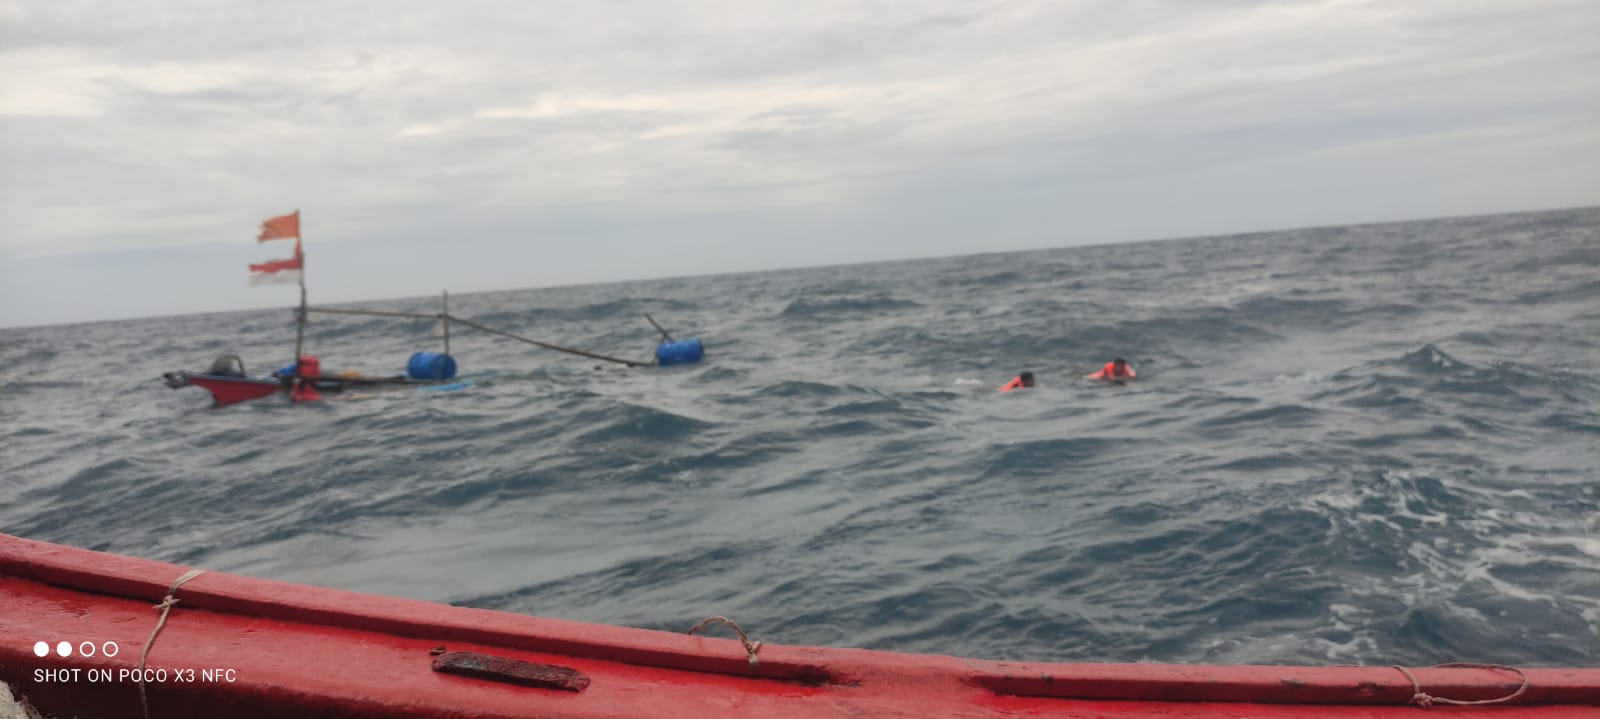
431,365
681,352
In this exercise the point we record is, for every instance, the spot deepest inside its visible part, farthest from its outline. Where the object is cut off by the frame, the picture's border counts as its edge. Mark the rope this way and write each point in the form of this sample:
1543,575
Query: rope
1424,699
165,606
750,647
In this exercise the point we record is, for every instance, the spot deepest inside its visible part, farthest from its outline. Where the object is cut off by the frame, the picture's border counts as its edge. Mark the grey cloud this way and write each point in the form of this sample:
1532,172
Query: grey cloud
762,134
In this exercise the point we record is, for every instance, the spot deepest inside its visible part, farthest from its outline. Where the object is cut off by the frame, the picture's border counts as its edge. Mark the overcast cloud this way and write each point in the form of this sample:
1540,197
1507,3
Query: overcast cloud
500,144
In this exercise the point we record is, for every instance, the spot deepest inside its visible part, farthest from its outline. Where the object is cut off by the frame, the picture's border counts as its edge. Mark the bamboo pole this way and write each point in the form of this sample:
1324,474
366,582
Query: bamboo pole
658,327
445,316
300,319
548,346
374,313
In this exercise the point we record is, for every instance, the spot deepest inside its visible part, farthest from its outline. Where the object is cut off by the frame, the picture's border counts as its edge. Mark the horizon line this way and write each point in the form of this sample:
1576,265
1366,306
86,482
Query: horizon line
1015,250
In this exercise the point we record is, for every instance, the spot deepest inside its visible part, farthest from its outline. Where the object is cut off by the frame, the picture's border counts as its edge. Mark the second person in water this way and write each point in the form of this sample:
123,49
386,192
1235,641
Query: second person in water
1114,371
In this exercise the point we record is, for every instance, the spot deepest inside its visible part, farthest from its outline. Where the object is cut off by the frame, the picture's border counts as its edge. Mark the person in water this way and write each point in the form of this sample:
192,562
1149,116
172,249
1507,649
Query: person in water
1021,381
1115,371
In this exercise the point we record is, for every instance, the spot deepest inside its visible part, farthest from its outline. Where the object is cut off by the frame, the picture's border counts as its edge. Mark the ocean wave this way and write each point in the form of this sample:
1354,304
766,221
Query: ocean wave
16,359
1198,329
634,423
1042,458
20,388
800,389
1284,415
625,310
845,309
1582,292
1430,378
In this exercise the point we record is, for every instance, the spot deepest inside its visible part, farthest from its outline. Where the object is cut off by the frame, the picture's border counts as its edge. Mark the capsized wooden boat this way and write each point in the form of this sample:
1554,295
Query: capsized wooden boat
234,646
228,383
226,390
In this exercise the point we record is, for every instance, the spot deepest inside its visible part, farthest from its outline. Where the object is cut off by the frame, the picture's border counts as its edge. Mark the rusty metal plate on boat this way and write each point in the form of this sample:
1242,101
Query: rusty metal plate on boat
511,671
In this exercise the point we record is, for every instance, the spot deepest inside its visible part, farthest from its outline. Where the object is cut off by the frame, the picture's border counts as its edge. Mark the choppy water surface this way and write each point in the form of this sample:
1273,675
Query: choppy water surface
1371,444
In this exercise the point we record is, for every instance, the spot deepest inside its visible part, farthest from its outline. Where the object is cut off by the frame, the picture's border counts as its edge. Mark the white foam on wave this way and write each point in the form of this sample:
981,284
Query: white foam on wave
1502,532
1336,501
11,708
1348,617
1393,497
1250,648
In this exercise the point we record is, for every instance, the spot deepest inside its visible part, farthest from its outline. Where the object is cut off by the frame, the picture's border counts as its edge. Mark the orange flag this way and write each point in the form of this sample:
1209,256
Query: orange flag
281,228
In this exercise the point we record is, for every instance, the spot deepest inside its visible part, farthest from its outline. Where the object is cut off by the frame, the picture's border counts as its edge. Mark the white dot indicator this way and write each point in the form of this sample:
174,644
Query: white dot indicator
41,649
64,649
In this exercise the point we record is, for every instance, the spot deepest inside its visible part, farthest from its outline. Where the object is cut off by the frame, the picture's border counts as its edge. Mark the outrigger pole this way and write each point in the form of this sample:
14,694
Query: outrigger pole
548,346
663,332
448,318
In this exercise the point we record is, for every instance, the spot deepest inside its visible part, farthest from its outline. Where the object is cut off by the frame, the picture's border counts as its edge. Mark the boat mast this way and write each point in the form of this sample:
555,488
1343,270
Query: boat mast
300,317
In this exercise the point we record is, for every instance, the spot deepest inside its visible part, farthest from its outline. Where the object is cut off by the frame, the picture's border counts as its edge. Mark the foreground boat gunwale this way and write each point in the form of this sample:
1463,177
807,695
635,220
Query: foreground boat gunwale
830,670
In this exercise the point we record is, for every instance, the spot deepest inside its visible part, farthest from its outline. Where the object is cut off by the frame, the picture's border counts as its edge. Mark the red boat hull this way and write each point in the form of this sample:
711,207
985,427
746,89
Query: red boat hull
242,647
232,390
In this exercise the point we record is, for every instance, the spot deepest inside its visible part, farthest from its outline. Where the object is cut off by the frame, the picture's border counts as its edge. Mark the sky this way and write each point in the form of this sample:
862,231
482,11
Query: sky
499,144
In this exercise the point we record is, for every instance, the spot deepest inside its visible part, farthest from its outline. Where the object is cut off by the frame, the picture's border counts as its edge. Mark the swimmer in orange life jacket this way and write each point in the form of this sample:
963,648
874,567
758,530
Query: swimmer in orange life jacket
1019,382
1116,370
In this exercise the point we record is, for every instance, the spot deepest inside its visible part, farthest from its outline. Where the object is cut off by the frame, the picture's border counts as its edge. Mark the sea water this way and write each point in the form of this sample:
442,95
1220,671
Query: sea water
1369,444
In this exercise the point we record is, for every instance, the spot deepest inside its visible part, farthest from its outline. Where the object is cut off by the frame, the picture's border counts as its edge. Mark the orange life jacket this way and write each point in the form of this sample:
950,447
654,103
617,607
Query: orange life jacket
1110,371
